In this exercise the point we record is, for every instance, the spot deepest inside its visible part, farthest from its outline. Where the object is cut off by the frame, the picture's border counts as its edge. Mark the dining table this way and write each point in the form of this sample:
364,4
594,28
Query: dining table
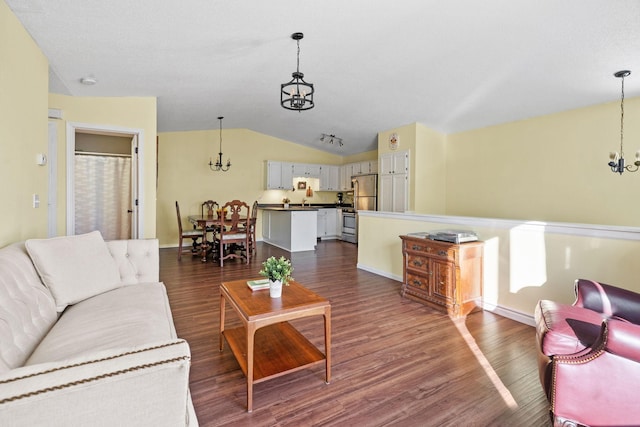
211,221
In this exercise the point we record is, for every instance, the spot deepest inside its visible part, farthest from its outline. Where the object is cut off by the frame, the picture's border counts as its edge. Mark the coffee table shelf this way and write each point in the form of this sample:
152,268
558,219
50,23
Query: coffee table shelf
267,345
279,349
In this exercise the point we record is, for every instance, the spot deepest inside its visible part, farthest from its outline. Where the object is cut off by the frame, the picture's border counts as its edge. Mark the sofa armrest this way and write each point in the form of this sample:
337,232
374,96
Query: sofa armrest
138,260
609,300
136,386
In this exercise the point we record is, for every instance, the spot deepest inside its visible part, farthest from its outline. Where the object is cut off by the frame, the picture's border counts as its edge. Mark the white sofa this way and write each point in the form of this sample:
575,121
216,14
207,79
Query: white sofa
87,337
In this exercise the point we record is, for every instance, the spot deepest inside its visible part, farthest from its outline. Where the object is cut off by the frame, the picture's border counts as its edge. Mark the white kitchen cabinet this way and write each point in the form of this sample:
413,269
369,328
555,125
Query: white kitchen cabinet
306,170
279,175
367,167
396,162
329,178
345,178
328,223
394,182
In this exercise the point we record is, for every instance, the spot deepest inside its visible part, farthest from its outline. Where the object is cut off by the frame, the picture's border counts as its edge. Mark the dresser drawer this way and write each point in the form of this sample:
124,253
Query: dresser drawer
418,281
432,249
417,262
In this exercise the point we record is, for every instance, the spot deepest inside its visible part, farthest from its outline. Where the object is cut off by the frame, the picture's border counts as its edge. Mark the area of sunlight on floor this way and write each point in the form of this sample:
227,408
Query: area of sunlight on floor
484,363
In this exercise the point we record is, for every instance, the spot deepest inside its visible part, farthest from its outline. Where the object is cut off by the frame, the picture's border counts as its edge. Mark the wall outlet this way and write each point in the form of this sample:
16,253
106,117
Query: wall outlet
36,201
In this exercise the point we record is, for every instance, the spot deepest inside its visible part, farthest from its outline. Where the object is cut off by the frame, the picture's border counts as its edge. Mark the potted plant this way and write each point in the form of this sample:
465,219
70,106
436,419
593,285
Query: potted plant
286,201
278,271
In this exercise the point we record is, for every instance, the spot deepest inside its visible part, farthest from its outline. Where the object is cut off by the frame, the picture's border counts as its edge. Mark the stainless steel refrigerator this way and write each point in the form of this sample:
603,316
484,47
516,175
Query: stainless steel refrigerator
365,192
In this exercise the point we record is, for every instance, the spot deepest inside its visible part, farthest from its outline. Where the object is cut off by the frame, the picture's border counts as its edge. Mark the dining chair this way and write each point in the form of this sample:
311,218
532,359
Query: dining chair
195,235
251,226
233,236
210,206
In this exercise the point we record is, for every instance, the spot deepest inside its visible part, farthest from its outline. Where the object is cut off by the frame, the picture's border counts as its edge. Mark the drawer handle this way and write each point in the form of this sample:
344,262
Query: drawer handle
416,247
442,253
416,282
418,263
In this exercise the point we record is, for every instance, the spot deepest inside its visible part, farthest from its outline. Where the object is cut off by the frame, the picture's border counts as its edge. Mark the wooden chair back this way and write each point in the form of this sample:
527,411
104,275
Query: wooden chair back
210,206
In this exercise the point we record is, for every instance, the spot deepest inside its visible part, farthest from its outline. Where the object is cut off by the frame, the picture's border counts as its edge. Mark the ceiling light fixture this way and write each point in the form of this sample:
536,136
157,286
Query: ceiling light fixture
297,94
330,139
218,165
616,160
88,81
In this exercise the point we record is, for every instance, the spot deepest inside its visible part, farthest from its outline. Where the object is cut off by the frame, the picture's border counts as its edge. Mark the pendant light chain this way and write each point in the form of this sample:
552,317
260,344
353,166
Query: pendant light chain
622,119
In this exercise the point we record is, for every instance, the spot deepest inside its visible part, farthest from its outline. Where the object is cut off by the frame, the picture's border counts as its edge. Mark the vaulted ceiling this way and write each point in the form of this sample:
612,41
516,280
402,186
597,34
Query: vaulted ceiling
451,65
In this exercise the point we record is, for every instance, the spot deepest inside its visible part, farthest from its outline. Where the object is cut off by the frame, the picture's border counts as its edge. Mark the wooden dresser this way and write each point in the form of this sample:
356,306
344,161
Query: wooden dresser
445,276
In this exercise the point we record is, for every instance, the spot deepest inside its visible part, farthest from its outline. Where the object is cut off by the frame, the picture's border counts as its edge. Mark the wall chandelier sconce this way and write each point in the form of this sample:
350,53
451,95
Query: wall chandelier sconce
616,160
218,165
297,94
330,139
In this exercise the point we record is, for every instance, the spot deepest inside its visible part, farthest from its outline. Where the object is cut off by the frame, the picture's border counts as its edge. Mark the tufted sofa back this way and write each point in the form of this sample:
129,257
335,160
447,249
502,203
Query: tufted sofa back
27,309
138,260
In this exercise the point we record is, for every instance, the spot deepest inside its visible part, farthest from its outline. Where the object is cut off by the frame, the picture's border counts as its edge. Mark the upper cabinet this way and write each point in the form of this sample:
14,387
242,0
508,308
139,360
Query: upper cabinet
366,167
329,178
279,175
306,170
393,163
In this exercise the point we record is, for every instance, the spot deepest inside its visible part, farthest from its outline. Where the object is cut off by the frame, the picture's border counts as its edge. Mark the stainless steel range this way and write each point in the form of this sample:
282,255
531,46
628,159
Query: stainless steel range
349,225
365,192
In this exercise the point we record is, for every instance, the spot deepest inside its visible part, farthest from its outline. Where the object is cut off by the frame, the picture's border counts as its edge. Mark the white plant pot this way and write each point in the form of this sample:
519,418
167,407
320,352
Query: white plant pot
286,205
275,289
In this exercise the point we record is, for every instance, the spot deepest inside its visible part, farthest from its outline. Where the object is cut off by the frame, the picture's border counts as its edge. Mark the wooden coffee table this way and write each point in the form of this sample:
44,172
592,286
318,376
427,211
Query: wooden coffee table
267,345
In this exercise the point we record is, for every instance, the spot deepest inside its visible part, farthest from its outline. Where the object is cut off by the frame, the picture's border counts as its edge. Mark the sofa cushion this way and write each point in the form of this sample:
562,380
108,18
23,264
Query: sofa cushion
132,315
74,268
27,309
566,329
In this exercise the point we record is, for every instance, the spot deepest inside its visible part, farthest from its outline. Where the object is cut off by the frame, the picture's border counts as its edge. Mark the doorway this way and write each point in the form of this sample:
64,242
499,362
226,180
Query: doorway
103,170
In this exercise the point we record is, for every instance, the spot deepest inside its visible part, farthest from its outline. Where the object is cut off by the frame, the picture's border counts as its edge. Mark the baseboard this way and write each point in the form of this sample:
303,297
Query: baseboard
379,272
509,313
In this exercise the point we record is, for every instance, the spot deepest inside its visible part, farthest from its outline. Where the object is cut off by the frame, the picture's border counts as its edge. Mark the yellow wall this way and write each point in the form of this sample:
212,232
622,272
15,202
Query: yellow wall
184,174
551,168
361,157
23,132
119,113
427,178
524,262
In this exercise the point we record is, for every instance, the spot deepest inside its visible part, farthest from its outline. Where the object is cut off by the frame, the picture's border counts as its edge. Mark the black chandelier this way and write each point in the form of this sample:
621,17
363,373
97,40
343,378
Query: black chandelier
218,165
297,94
616,160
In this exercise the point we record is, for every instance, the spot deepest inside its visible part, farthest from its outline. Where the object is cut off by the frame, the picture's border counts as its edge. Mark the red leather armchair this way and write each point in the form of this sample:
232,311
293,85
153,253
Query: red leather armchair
589,356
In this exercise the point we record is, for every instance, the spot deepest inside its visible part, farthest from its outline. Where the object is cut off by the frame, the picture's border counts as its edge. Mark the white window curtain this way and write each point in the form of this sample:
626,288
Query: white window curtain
103,195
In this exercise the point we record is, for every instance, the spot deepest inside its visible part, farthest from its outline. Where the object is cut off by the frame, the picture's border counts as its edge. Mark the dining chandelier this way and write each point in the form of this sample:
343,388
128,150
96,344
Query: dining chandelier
616,160
218,164
297,94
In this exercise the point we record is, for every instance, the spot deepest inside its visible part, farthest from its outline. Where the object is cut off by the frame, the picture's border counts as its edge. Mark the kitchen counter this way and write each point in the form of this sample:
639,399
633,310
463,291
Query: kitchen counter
312,207
293,229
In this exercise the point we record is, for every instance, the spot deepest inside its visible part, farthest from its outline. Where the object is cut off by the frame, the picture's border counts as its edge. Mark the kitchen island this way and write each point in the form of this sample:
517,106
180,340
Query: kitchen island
293,229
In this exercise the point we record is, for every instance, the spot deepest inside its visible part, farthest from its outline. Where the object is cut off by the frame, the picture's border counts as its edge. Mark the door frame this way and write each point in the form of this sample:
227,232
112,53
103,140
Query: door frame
52,162
137,157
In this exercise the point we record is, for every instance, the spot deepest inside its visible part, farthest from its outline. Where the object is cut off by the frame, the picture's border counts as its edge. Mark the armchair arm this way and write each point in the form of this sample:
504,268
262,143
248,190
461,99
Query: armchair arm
595,388
607,299
136,386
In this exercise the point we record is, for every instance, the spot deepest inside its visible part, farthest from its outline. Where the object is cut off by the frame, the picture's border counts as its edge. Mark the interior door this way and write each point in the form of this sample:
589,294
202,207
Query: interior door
104,183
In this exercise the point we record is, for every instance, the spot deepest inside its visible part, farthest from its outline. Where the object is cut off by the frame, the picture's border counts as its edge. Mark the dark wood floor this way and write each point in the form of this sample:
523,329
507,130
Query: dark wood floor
395,361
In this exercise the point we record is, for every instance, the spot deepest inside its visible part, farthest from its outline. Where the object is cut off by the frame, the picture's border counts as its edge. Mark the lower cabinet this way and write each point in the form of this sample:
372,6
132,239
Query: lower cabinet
444,276
328,223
